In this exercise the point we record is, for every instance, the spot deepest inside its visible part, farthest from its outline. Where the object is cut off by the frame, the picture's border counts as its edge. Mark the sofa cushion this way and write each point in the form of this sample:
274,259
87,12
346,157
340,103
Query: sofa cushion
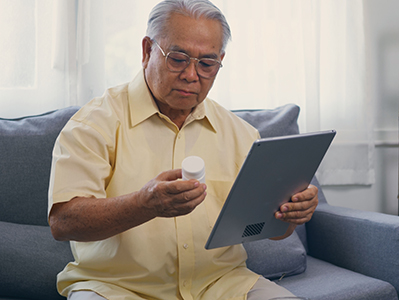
325,281
275,259
30,261
25,159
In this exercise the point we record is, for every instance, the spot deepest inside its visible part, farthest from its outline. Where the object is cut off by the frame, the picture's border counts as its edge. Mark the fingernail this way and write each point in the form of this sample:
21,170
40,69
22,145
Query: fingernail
279,215
284,209
196,183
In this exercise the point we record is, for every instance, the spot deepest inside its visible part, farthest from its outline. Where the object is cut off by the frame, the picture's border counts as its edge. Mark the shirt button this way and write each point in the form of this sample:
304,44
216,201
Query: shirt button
185,246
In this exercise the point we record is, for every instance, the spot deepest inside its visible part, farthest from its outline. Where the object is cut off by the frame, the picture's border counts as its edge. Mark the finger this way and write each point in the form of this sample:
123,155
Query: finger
299,221
181,186
192,194
191,204
302,201
183,203
299,206
296,221
170,175
297,213
305,195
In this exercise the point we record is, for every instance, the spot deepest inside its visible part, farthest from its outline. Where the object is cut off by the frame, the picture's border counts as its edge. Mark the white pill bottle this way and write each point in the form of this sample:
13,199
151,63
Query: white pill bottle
193,167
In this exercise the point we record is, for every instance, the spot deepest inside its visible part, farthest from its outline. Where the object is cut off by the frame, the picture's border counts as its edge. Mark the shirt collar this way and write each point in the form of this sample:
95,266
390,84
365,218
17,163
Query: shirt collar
140,96
202,112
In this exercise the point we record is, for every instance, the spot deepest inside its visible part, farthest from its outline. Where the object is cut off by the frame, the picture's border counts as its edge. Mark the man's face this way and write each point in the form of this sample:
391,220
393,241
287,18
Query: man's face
198,39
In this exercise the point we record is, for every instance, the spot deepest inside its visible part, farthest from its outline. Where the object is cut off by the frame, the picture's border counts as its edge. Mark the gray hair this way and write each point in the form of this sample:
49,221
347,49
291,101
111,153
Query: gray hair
161,13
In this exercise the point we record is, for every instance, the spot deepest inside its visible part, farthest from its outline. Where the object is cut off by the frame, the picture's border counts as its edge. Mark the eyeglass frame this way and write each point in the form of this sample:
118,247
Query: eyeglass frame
190,58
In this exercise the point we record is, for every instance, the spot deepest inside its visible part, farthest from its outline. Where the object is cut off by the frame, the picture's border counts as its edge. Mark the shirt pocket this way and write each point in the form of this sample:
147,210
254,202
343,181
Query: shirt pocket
217,192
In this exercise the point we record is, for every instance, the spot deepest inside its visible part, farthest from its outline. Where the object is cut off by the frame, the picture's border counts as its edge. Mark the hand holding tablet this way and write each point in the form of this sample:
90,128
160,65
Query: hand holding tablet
274,170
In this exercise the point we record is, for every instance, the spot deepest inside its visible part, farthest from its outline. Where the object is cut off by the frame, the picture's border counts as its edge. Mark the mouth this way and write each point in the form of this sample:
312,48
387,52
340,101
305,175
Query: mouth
185,93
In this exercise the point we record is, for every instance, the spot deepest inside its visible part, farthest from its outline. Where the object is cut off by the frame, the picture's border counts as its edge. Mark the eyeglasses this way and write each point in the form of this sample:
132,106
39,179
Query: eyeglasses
178,61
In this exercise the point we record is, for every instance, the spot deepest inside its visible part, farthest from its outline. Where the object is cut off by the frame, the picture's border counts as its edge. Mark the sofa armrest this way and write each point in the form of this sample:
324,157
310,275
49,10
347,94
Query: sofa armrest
364,242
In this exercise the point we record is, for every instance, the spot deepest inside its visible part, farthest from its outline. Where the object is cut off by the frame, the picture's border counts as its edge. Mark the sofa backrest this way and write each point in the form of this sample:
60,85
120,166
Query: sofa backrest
26,146
280,121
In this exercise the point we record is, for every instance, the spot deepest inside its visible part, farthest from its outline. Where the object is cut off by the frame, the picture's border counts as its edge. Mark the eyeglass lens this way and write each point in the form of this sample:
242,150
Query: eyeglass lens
206,67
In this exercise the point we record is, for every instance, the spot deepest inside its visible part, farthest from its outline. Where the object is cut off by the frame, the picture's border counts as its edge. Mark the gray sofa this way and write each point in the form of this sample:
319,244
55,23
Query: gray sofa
340,254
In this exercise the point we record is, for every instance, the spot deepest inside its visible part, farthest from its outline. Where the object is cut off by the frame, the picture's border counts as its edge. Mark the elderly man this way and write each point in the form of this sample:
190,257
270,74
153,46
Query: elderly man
137,230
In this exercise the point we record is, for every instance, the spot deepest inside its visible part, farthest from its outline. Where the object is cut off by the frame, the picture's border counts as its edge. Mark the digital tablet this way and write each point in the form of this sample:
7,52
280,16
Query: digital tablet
274,170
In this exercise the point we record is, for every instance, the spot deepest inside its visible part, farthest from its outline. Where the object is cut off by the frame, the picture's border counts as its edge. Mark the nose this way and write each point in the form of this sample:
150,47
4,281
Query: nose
190,73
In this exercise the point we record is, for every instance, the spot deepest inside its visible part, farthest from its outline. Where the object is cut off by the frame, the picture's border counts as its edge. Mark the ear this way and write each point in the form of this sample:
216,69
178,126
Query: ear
146,47
222,56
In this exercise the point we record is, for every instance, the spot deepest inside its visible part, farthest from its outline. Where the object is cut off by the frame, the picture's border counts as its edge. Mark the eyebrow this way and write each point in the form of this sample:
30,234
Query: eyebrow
179,49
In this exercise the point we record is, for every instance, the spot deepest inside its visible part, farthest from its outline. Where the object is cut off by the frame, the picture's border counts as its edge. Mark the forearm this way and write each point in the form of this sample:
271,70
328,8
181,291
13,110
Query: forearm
91,219
289,231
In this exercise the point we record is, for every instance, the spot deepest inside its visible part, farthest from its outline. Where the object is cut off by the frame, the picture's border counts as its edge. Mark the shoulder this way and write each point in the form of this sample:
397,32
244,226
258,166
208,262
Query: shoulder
226,121
103,114
111,104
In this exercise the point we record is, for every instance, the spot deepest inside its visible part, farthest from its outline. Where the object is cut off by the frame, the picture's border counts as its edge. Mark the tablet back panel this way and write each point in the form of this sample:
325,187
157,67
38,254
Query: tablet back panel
274,170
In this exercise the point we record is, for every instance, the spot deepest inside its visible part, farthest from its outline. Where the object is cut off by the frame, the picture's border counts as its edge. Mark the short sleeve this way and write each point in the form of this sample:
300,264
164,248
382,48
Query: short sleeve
82,163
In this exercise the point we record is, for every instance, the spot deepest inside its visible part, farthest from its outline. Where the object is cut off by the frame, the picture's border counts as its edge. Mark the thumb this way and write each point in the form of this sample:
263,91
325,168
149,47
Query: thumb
170,175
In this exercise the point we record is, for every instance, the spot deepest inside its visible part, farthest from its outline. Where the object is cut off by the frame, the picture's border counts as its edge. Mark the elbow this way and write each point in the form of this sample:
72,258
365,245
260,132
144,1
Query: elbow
56,231
56,227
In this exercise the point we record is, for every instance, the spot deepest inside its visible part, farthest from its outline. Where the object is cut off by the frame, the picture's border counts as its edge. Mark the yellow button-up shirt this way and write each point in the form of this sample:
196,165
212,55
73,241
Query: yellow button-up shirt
113,146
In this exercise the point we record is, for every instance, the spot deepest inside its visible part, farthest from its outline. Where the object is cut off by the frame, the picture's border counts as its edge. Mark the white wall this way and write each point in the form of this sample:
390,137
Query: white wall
382,43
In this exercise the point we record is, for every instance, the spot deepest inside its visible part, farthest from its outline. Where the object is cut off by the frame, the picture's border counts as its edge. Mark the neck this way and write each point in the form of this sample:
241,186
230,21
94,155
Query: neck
177,116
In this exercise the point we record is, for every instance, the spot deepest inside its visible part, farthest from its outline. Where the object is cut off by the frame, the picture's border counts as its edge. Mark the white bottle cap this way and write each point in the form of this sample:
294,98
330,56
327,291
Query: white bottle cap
193,167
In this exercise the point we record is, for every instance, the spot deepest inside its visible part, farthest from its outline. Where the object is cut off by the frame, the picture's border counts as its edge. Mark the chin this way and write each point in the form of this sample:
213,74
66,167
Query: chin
185,103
